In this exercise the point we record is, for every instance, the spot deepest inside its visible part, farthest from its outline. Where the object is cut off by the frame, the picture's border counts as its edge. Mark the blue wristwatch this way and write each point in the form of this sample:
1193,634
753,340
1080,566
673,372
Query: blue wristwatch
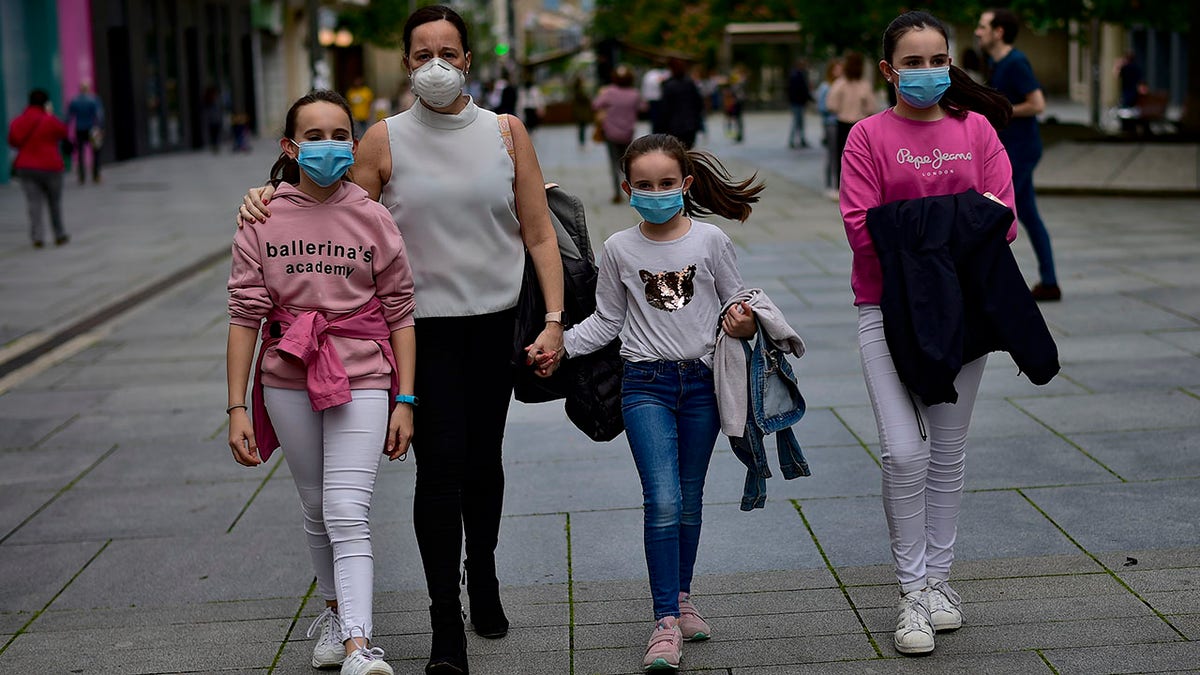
406,398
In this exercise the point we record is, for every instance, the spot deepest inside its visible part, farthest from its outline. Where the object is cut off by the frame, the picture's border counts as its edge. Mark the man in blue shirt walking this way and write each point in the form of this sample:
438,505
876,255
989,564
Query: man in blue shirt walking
1013,76
88,114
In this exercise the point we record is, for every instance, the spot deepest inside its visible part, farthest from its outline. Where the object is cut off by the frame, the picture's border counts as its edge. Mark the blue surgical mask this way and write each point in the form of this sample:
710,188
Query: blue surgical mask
325,162
657,207
922,88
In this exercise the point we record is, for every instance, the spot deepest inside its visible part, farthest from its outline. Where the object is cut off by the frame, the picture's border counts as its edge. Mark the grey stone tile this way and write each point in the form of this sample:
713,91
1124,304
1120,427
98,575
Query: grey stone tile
985,568
24,433
202,395
84,513
765,539
836,471
1019,663
1021,612
1173,602
721,655
191,569
1003,379
992,525
1051,635
1124,516
1185,579
136,463
1110,314
34,574
1187,340
991,419
1113,412
1120,347
1151,559
1067,587
1145,454
1125,375
1128,658
1188,624
1039,459
133,618
111,429
47,468
164,648
17,503
1180,300
582,485
68,377
19,405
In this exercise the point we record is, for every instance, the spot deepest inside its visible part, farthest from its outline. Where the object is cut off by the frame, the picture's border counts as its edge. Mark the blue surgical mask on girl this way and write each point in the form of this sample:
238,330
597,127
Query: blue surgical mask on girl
922,88
325,162
657,207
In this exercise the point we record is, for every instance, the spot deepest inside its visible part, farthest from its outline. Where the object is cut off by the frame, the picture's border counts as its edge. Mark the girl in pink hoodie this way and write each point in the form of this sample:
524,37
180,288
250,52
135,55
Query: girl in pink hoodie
329,286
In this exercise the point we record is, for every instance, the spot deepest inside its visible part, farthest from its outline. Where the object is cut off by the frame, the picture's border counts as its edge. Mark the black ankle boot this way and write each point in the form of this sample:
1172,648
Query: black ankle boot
483,589
448,655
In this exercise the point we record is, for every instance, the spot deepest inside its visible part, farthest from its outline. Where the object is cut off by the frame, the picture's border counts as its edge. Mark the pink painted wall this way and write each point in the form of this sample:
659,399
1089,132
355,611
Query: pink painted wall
75,46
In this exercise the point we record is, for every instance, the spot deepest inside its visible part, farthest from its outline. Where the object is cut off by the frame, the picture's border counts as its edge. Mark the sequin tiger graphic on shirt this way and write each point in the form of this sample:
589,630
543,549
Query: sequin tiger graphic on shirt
669,291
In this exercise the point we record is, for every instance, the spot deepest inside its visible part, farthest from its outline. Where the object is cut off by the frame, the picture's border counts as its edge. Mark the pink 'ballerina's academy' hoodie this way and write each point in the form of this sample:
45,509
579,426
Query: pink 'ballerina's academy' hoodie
331,257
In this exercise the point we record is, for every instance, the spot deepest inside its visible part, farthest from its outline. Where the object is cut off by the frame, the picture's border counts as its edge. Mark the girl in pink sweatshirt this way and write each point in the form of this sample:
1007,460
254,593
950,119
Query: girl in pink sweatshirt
330,288
933,142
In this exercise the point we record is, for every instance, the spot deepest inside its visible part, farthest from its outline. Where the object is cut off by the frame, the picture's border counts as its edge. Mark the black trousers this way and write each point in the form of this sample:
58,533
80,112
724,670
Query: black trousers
464,382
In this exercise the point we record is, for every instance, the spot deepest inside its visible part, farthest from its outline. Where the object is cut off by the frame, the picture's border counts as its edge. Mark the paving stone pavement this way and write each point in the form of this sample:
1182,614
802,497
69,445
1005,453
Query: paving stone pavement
131,543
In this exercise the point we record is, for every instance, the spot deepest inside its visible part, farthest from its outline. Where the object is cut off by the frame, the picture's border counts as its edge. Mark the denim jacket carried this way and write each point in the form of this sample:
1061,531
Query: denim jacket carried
773,399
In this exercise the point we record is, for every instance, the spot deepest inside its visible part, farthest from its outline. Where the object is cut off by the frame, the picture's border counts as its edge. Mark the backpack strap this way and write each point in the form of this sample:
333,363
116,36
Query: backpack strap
506,136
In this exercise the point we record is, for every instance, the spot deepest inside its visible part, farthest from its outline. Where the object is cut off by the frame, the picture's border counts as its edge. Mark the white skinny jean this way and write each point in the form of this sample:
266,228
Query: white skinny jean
334,456
922,449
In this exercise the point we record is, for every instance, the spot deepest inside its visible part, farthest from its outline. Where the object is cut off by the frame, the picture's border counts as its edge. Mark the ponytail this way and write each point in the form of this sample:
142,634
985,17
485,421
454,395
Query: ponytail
713,190
285,170
966,94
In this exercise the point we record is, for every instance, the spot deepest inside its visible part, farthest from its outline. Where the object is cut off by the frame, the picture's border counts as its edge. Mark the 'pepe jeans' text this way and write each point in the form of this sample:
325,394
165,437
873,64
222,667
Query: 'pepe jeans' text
935,161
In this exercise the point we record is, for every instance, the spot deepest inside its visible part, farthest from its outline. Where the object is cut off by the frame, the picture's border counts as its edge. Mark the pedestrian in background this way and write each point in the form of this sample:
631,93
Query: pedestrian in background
530,103
940,109
38,135
618,105
851,98
212,111
468,211
86,113
360,97
799,96
1012,75
661,287
733,94
652,94
682,108
581,109
333,387
833,70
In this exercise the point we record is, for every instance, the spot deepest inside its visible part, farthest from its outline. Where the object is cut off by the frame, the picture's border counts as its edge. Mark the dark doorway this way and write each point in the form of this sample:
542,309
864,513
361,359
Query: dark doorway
120,64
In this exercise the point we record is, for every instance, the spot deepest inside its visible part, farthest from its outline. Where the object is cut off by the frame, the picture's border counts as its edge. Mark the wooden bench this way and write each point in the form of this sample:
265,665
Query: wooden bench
1151,109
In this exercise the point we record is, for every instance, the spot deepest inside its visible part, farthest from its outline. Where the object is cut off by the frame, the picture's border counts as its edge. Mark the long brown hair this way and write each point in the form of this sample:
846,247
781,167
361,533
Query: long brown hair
964,93
713,190
285,169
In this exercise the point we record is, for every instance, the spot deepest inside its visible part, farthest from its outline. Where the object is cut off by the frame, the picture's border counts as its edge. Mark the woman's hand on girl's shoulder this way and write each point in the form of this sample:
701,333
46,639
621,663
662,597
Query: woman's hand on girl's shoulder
254,206
739,321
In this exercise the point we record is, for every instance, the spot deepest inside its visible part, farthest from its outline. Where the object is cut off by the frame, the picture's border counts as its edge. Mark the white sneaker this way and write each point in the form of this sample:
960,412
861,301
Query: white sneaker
945,607
914,630
328,652
366,661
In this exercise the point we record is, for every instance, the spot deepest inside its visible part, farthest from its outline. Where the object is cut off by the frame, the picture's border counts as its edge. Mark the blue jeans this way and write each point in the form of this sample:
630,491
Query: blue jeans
1027,213
671,420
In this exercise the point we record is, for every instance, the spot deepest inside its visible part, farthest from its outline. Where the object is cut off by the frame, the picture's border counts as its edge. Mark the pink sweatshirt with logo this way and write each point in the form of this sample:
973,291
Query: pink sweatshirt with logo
331,257
889,158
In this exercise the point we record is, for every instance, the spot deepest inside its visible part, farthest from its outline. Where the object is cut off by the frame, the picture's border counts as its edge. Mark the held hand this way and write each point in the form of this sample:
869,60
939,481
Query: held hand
241,439
545,353
739,321
399,433
254,206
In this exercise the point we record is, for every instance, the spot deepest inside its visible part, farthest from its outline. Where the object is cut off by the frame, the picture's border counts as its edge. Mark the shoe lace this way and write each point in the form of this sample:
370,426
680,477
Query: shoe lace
916,612
365,653
943,589
329,617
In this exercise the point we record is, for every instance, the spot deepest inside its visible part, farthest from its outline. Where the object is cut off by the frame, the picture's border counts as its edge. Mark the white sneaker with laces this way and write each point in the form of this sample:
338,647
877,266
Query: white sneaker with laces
328,652
366,661
945,607
914,630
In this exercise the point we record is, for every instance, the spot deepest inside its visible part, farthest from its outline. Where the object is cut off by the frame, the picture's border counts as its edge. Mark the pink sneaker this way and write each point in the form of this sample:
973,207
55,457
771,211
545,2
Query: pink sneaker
692,626
665,647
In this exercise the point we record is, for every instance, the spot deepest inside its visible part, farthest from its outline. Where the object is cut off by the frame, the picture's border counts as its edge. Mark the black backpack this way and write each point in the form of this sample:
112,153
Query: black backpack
590,384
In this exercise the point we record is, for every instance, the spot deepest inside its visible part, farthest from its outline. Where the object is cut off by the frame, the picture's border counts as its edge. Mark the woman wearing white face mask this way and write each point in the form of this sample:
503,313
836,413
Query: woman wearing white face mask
467,211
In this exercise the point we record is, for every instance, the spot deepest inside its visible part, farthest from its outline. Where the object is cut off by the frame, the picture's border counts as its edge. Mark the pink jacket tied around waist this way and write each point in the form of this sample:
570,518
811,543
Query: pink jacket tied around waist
304,339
